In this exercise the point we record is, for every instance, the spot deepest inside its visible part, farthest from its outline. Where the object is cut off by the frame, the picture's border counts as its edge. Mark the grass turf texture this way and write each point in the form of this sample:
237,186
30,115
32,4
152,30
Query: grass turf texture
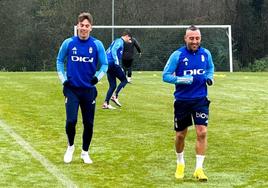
134,146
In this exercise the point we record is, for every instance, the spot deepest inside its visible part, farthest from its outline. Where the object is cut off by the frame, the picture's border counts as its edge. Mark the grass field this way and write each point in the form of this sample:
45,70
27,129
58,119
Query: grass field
132,146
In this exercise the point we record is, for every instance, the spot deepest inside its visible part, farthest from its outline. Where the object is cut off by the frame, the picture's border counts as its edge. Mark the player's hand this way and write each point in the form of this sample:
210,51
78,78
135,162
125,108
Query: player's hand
209,82
94,80
187,79
66,83
139,55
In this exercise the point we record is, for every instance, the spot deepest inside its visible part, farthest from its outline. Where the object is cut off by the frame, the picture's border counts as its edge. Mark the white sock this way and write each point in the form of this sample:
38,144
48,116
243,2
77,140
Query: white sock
71,147
180,158
199,161
84,152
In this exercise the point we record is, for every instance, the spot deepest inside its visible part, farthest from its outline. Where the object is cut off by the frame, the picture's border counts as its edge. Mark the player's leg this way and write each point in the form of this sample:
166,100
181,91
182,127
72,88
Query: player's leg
112,86
182,119
180,142
128,71
122,77
129,75
87,105
201,140
201,145
201,120
124,62
71,106
179,147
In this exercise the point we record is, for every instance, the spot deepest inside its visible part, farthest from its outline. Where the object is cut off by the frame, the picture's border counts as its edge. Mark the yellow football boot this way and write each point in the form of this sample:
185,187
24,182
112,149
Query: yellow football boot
200,175
179,174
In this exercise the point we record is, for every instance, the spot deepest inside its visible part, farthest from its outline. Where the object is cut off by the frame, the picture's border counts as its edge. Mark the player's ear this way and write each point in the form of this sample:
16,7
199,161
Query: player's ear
185,38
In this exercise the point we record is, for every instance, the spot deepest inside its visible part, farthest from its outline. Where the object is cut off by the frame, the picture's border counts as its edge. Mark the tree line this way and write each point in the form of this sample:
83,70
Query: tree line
32,30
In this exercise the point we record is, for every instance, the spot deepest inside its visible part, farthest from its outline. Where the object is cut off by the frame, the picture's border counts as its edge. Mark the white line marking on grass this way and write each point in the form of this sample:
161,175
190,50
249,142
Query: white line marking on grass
44,161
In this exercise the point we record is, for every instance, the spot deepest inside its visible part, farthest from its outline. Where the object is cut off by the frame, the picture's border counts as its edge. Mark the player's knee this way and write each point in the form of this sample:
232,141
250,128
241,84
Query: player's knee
180,136
88,125
88,130
71,122
124,82
201,132
70,127
112,87
202,135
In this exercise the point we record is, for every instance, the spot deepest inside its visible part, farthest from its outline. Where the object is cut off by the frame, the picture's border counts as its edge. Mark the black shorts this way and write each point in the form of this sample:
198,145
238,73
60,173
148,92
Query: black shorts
185,111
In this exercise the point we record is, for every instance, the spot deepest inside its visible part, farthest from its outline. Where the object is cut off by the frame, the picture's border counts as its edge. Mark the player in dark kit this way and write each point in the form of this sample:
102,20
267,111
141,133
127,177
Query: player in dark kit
128,57
191,69
83,53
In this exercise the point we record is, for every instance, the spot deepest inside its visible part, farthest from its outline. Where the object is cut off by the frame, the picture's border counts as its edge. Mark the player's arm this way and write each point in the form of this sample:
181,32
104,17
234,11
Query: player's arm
102,58
209,70
117,44
170,68
137,46
60,60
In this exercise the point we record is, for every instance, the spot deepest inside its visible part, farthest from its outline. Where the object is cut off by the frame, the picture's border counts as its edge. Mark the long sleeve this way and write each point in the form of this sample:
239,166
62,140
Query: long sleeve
210,66
60,60
117,45
168,72
102,58
137,45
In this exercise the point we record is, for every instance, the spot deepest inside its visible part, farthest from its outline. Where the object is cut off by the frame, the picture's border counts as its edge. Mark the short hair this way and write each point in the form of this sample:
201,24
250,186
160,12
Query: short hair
193,28
127,32
85,15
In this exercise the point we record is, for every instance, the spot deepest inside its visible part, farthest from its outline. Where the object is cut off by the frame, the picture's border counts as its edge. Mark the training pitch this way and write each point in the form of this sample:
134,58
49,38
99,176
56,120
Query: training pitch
132,146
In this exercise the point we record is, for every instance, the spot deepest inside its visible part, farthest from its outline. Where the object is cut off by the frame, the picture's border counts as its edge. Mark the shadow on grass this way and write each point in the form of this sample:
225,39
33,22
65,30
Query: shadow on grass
189,180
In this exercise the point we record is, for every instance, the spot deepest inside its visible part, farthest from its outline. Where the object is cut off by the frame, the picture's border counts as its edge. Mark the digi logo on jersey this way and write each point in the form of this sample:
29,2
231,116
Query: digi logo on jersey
82,59
194,72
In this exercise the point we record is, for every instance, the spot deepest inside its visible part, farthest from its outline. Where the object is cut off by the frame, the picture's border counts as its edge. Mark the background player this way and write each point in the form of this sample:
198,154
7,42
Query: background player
128,56
83,53
114,55
194,69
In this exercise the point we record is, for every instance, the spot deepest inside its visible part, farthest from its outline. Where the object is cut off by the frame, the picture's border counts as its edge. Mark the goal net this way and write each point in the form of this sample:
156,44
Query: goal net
158,42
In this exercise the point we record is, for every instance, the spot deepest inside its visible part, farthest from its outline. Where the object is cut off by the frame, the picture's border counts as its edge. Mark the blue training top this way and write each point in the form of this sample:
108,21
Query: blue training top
115,51
82,59
183,62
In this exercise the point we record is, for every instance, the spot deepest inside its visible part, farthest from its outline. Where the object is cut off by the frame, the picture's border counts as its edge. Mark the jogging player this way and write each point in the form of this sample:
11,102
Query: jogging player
191,69
114,56
82,53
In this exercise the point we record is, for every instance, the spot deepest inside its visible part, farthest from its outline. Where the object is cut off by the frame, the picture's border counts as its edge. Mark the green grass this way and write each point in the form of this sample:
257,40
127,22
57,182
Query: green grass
134,146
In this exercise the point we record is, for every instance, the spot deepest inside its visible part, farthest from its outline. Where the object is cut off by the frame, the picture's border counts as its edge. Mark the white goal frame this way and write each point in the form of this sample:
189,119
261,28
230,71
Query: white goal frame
228,27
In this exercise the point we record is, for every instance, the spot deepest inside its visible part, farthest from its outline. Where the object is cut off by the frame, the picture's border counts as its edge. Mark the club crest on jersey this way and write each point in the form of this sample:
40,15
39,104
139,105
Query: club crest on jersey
74,50
202,58
90,50
185,60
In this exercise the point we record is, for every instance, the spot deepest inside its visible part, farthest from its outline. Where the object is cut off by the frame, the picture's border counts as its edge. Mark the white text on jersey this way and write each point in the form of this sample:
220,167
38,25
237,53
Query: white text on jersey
194,72
82,59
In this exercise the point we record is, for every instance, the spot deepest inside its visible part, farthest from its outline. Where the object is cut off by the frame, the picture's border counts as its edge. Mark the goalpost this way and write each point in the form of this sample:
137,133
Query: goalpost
228,27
